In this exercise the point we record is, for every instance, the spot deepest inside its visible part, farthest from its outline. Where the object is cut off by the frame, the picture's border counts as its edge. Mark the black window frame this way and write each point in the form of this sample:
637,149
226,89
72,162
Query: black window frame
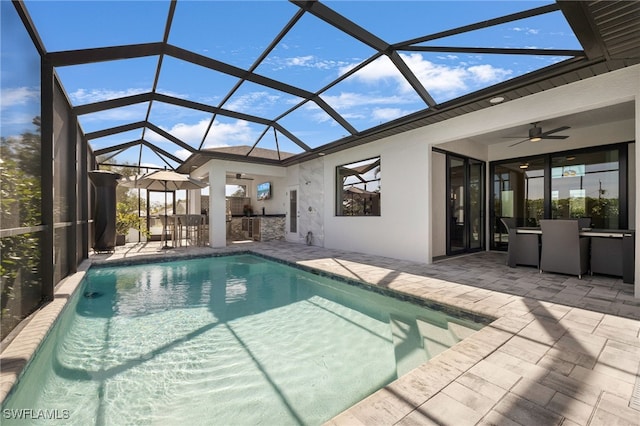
623,182
339,189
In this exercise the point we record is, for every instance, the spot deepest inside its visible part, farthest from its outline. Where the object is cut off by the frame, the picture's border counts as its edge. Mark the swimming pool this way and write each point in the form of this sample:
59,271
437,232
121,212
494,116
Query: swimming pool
223,340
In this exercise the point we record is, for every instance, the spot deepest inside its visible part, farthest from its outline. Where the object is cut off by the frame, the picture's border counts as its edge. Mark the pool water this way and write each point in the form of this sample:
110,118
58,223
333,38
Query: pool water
233,340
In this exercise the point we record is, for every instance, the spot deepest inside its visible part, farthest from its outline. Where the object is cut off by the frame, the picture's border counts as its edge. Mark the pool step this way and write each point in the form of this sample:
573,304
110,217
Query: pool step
416,340
407,344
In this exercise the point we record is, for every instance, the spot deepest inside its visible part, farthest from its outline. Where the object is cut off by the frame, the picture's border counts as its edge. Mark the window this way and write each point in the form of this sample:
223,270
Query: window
590,182
358,188
22,286
518,192
587,185
236,190
238,202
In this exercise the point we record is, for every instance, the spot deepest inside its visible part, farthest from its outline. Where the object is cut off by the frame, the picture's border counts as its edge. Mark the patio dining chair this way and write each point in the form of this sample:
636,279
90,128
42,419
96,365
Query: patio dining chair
563,250
524,249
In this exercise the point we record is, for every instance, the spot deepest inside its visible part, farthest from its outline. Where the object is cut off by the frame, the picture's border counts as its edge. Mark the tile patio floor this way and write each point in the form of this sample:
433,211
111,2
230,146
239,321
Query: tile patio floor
560,350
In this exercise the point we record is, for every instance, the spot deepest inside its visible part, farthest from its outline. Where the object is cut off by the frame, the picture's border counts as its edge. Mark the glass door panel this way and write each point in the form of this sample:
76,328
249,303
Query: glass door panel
476,204
465,209
457,195
587,185
293,211
293,215
518,192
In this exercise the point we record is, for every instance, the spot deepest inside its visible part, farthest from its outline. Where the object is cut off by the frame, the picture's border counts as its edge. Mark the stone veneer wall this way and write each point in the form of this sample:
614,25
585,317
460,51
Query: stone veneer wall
271,228
236,229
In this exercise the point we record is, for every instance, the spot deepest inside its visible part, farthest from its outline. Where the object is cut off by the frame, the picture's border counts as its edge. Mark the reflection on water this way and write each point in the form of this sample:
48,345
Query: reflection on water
20,175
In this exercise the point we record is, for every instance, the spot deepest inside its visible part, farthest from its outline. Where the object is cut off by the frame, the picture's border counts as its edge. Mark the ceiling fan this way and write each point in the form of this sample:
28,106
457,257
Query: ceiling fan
239,176
536,134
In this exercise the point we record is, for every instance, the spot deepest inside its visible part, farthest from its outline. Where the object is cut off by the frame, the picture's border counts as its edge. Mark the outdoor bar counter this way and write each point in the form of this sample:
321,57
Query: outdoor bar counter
257,227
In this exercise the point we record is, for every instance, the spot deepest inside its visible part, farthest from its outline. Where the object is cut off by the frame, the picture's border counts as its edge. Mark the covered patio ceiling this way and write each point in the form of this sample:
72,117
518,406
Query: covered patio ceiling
284,82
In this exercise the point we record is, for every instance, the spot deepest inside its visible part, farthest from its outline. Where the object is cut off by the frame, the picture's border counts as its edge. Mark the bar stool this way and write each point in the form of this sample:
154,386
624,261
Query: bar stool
168,228
180,224
194,228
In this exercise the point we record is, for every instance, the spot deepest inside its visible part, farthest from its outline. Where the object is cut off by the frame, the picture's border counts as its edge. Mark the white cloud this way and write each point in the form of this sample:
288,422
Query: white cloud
307,61
221,134
346,100
253,103
182,154
487,73
129,113
189,133
437,78
13,118
380,69
387,114
14,96
87,96
303,61
527,30
225,134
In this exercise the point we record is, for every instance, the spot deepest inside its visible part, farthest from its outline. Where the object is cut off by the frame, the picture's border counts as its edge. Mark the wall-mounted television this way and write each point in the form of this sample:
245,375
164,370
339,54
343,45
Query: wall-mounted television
264,191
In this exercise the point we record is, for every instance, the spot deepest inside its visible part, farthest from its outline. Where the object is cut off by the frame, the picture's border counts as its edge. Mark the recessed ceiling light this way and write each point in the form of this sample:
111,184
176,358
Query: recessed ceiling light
496,100
321,154
524,166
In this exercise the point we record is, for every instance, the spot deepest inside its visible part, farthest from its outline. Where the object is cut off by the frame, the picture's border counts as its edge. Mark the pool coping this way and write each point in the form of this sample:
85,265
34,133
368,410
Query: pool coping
513,337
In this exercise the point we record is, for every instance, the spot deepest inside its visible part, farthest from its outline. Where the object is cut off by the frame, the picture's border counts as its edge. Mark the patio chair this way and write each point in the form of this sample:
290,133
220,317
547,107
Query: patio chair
584,222
524,249
606,256
194,229
563,250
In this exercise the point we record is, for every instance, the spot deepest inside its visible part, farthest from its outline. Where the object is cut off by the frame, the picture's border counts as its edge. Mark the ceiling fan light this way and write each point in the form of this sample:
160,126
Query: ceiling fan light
535,139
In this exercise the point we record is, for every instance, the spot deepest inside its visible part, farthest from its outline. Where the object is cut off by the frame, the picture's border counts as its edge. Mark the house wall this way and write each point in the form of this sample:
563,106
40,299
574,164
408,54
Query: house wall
439,209
411,225
401,231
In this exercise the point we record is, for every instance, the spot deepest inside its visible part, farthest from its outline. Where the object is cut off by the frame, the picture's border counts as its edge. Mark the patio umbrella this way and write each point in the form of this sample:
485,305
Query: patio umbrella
162,180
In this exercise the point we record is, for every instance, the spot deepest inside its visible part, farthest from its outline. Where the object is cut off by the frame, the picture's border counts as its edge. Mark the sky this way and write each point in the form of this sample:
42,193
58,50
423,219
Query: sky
310,56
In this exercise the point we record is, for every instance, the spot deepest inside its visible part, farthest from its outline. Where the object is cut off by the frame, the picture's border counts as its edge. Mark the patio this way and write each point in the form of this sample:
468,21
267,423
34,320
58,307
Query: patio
561,350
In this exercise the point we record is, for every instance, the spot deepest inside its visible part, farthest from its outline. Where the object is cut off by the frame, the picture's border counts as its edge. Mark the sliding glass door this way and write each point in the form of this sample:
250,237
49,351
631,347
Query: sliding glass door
518,192
465,207
588,183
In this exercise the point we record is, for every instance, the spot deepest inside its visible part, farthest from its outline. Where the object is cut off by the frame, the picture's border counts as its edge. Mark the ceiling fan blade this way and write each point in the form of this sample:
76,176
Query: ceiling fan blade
518,143
553,137
559,129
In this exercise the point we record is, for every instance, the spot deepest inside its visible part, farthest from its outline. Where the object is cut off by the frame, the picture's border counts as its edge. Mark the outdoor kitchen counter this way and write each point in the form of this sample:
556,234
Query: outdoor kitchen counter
257,227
